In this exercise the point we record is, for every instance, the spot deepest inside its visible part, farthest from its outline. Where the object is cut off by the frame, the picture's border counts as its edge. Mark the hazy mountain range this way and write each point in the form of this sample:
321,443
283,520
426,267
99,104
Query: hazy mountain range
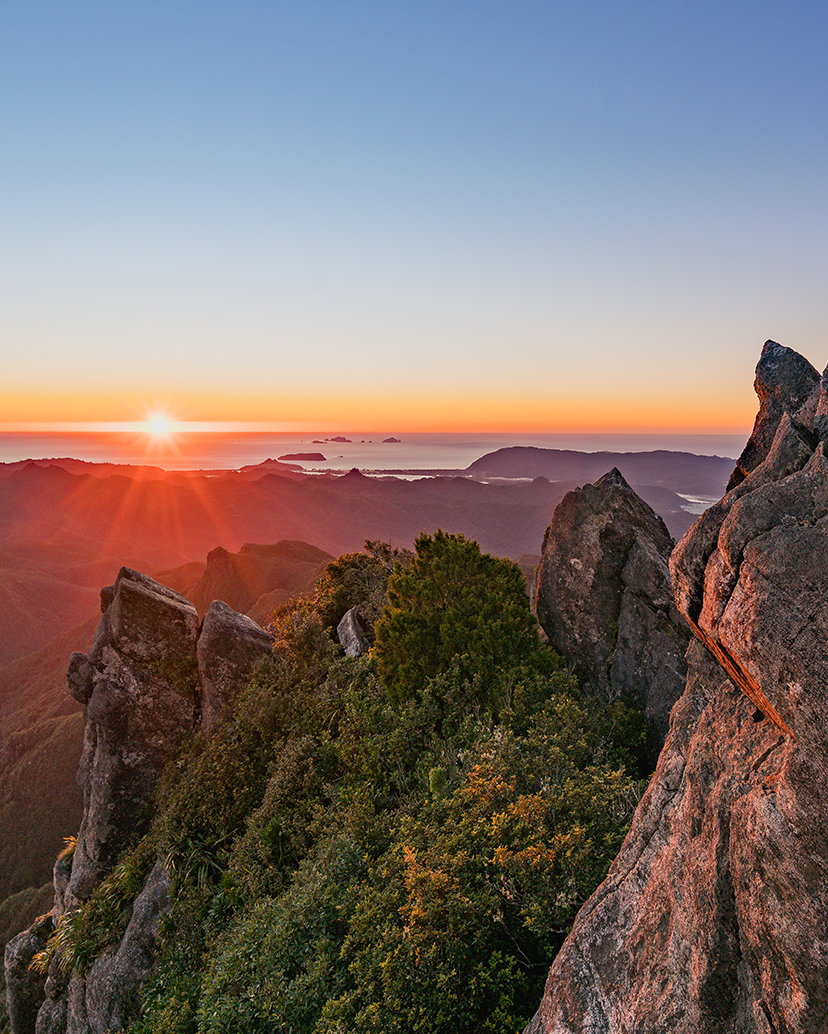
67,526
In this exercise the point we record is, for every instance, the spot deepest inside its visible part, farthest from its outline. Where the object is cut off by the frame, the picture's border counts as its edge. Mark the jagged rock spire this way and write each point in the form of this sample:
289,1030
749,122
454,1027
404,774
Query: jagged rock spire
604,598
712,919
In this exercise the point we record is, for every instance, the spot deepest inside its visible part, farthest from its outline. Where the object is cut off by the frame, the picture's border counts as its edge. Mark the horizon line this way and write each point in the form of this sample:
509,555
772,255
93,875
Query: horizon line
141,427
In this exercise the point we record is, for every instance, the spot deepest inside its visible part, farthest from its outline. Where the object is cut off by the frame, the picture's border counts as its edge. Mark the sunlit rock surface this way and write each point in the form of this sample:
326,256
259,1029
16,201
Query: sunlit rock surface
605,602
714,917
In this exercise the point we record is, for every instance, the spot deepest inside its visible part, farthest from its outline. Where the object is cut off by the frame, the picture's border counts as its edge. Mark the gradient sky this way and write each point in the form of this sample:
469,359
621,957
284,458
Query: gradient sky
557,215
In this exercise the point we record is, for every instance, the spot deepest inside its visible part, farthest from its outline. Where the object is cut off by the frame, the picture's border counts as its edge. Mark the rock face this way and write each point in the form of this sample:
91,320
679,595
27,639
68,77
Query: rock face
229,648
784,383
153,677
714,917
352,634
138,685
605,602
24,986
111,987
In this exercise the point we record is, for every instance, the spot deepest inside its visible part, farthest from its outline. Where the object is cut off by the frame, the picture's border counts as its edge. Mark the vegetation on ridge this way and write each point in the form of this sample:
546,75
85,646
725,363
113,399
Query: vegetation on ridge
454,608
374,845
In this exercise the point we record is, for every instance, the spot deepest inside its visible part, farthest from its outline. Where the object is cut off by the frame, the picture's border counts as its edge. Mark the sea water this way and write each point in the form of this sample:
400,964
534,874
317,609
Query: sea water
232,450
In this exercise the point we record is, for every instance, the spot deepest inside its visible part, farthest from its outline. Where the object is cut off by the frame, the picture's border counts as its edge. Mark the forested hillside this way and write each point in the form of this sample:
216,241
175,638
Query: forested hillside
396,842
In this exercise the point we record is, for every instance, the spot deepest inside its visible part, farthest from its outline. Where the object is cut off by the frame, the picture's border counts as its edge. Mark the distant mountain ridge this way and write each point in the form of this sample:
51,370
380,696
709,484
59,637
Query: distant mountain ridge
258,579
682,472
66,527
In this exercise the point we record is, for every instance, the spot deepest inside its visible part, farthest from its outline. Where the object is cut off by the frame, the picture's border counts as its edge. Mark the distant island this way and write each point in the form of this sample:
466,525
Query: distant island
304,457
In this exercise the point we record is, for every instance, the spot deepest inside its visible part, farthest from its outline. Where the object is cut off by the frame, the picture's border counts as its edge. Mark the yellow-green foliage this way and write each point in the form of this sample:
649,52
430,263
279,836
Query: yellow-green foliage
344,863
69,845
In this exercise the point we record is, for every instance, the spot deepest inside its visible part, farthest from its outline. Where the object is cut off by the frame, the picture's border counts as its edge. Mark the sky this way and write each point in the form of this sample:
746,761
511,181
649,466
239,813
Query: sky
570,215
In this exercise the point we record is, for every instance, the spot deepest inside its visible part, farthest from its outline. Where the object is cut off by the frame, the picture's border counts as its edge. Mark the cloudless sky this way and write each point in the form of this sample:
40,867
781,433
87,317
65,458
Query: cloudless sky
559,215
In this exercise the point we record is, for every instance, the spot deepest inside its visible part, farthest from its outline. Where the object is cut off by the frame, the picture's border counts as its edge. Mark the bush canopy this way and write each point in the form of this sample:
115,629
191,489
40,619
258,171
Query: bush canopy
453,607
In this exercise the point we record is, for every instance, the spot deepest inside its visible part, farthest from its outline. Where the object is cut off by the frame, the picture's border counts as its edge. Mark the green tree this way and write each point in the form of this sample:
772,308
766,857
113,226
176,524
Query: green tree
350,857
357,579
457,921
453,607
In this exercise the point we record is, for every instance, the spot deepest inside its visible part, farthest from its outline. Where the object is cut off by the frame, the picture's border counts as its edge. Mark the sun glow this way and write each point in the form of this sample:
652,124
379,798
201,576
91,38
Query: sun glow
160,434
159,425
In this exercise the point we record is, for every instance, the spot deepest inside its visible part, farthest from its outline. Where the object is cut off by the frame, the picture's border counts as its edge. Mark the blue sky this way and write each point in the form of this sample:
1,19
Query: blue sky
560,215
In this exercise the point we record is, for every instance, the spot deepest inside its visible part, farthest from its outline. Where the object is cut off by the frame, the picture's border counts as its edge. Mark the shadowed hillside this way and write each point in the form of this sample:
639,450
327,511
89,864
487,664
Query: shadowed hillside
66,527
41,726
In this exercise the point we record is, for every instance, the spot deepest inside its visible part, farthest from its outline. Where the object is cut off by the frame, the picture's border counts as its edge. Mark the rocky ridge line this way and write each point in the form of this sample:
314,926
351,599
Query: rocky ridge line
712,919
154,676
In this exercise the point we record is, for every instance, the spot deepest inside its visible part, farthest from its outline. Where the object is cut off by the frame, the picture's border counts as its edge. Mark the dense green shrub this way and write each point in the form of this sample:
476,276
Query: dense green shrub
457,927
299,633
280,832
279,962
358,579
397,843
453,606
413,908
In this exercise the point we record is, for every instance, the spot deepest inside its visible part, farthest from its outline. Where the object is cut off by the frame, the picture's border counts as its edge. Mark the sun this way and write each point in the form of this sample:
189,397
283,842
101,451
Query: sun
159,426
160,440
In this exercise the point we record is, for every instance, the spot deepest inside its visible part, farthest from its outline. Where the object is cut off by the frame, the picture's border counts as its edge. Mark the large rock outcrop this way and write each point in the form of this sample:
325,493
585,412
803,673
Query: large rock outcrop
784,383
714,916
605,602
229,648
138,685
154,677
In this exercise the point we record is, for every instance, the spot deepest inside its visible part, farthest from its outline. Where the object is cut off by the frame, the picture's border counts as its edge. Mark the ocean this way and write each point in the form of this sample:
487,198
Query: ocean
231,450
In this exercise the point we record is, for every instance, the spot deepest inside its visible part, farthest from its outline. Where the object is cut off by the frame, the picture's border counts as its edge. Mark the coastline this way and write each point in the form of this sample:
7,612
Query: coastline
425,453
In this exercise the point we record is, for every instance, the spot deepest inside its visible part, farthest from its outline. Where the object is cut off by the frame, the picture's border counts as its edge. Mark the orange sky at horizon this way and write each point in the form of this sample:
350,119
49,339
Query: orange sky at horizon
629,410
542,218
